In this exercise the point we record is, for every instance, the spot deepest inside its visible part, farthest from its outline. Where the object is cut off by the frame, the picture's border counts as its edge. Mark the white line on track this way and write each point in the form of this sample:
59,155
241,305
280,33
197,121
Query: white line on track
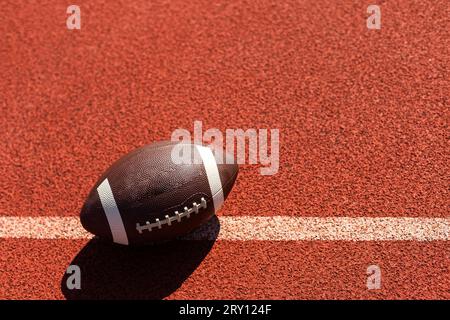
246,228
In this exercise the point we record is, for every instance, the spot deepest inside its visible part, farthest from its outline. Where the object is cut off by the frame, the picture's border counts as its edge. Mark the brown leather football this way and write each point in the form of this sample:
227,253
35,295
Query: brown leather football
149,195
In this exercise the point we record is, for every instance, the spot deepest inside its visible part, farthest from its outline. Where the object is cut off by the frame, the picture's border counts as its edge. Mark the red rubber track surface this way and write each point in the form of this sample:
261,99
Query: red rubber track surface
363,119
231,270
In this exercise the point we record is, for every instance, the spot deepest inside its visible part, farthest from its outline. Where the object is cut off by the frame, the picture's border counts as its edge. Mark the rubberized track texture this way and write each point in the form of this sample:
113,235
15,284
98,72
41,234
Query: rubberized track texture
363,118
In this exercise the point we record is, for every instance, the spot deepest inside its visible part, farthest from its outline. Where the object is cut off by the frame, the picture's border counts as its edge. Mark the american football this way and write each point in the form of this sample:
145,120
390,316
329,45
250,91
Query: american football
146,197
242,151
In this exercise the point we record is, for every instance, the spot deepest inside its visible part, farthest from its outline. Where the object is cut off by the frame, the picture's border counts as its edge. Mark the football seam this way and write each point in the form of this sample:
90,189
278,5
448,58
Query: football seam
177,217
229,181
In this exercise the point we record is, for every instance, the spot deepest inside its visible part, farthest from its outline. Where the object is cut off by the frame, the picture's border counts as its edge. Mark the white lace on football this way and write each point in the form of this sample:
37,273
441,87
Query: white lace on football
168,220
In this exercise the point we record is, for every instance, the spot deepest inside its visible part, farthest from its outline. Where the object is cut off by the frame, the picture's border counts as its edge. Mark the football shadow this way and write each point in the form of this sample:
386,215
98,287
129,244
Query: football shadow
110,271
